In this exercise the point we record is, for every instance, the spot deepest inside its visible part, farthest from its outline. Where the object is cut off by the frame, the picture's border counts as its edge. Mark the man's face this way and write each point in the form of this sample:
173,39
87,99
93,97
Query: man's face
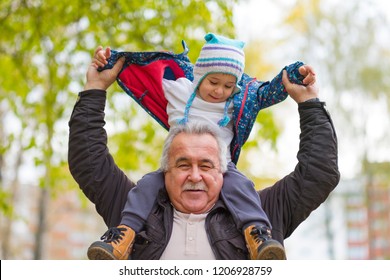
193,180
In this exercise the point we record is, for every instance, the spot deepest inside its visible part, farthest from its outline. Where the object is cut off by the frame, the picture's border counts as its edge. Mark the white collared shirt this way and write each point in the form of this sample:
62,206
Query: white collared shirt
189,240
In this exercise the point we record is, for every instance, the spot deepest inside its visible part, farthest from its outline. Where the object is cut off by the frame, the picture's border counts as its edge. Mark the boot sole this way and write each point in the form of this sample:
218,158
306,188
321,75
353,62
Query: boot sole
272,252
97,253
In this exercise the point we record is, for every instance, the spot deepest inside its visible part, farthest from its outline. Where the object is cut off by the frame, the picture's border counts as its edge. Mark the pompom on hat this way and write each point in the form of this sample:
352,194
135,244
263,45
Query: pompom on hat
218,55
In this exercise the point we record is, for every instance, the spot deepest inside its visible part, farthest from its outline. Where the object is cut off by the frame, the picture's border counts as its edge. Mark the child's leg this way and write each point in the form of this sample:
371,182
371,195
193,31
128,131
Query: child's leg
242,200
244,204
140,200
118,242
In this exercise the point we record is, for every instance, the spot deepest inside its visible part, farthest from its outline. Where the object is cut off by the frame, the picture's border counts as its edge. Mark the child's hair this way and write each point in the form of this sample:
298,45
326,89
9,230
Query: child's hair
218,55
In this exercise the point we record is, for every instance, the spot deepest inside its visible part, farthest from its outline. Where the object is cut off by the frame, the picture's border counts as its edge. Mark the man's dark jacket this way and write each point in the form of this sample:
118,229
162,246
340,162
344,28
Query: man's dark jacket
287,203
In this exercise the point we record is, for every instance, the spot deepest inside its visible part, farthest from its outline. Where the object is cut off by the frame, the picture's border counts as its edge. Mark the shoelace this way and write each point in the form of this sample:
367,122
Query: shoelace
260,236
113,235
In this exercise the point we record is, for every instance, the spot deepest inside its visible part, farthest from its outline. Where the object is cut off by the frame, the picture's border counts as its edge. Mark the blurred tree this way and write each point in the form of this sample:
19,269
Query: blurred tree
44,49
348,43
265,131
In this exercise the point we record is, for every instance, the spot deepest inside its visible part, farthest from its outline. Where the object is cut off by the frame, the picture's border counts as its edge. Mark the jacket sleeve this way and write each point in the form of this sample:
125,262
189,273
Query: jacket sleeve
273,92
291,200
90,162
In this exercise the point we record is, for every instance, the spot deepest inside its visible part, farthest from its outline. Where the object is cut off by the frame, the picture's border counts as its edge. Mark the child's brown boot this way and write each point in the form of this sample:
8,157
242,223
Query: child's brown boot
116,245
261,246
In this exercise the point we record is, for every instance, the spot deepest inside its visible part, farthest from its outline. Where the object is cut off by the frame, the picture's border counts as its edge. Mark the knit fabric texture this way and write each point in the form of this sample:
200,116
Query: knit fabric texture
219,55
142,74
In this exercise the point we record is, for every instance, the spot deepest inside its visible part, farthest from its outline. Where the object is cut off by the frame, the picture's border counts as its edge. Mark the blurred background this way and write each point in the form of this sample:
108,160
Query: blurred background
46,46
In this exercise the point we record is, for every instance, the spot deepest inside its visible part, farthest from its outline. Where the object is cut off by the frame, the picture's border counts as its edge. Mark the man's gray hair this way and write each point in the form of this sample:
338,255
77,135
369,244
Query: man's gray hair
195,128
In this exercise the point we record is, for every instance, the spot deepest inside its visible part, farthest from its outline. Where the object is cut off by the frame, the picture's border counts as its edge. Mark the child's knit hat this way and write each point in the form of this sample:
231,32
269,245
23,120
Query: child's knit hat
218,55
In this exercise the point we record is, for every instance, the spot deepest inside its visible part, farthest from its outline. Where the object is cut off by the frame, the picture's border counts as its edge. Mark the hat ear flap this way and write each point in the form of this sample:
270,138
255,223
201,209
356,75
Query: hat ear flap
184,120
226,119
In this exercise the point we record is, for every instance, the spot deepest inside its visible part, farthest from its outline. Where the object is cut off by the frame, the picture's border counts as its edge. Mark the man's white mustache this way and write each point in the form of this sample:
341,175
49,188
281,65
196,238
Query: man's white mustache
200,186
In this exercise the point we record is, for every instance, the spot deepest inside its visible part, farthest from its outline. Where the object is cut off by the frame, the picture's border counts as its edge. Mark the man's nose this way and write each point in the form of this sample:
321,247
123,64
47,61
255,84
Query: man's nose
195,175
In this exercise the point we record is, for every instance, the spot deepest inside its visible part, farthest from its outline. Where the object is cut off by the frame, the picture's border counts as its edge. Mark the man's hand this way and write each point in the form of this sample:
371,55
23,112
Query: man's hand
301,93
104,79
309,74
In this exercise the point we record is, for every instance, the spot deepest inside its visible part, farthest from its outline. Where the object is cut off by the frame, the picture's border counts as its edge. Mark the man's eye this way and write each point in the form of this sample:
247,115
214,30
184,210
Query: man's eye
205,167
183,166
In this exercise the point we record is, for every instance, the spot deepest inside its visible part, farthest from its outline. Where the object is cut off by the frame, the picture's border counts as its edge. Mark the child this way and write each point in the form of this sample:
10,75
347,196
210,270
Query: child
216,96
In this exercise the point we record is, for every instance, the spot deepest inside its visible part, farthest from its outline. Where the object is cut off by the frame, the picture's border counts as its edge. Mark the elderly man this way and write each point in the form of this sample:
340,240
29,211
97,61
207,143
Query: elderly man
189,220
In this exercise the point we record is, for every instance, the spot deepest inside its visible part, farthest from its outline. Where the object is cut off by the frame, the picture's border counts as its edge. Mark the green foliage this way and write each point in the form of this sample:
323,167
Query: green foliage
137,144
5,204
264,130
45,47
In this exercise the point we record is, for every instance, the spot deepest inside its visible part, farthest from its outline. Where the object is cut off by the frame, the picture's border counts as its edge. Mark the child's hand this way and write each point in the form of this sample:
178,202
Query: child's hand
301,93
102,80
101,56
309,74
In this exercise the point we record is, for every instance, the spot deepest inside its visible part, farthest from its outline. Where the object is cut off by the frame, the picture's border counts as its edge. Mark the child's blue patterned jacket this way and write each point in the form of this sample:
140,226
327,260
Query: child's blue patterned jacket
142,74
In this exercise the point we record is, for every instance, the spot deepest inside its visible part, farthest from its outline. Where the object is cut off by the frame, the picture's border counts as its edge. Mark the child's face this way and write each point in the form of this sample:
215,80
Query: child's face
217,87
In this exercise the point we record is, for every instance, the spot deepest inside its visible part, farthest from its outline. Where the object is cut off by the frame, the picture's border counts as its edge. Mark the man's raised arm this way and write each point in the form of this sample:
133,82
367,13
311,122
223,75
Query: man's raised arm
291,200
90,163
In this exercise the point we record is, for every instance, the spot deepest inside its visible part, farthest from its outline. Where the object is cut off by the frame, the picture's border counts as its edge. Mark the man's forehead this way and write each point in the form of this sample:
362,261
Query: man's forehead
190,145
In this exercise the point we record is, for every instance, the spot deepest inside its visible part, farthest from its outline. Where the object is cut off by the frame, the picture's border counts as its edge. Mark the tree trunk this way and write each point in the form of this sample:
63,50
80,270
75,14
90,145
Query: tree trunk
41,226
